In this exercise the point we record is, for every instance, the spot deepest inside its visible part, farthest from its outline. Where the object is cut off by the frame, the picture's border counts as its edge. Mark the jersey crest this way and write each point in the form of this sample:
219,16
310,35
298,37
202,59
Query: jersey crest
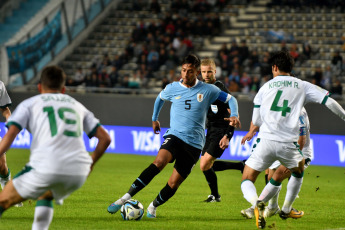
200,97
214,109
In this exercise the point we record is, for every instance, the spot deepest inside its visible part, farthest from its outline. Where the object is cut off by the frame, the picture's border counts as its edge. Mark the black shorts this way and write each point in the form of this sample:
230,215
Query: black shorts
184,155
214,135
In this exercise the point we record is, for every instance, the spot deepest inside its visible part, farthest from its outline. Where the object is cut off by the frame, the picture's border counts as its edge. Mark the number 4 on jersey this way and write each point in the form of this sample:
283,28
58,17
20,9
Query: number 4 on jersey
285,109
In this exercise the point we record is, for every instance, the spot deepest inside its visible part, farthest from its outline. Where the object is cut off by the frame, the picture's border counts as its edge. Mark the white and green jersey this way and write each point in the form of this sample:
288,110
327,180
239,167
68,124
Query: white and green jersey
56,122
280,102
5,100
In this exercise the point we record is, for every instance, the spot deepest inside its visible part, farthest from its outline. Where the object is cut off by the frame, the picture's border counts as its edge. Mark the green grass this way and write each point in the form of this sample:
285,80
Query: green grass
112,176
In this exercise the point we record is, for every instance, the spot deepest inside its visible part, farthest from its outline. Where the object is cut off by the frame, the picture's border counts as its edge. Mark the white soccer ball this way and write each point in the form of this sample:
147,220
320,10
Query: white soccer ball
132,210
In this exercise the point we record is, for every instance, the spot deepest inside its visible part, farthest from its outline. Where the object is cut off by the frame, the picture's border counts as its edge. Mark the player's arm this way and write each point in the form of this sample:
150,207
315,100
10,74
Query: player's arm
233,105
302,132
102,145
335,108
6,112
156,110
251,133
8,139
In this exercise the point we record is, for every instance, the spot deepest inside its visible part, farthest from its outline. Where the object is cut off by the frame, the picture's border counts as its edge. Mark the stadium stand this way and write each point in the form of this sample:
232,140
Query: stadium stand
124,52
19,17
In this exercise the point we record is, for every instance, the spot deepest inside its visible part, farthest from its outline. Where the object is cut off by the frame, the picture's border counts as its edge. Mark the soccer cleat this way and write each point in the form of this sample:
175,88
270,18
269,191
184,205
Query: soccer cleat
114,207
294,214
151,211
259,214
211,199
271,212
248,213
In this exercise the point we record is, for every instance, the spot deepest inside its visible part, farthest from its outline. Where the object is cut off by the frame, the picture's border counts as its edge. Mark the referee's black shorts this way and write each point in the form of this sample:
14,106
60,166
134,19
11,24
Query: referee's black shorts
184,155
214,135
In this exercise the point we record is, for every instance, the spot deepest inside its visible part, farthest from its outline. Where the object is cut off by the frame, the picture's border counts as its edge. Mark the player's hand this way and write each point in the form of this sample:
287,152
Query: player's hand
248,137
233,121
156,127
224,142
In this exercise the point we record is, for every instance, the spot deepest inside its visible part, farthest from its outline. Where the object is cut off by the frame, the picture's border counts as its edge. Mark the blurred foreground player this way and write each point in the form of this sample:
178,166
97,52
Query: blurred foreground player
59,163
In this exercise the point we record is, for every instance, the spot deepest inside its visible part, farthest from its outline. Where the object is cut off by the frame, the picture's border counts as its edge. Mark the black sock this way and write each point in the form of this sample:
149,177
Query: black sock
224,165
211,178
266,178
144,179
164,195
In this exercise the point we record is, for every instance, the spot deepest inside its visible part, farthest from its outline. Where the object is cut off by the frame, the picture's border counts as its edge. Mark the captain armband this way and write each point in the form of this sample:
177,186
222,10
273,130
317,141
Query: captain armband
302,131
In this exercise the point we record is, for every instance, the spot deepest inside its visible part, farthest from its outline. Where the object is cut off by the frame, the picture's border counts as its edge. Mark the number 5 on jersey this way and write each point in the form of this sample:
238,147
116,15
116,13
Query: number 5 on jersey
284,109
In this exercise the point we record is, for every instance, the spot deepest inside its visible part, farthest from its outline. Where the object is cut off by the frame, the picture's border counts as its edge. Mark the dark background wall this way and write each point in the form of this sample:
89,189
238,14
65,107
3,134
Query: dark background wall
136,110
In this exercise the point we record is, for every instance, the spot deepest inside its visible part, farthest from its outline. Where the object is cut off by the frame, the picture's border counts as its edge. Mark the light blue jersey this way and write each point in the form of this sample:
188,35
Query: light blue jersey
189,109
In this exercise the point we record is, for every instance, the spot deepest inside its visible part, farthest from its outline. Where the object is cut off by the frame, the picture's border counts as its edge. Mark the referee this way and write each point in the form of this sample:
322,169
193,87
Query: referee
219,134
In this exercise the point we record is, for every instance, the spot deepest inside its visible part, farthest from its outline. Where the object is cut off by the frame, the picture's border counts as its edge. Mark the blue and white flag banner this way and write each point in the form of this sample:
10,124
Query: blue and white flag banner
327,150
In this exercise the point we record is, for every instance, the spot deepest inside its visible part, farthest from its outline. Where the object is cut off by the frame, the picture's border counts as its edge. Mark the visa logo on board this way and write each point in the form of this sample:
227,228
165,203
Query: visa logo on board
341,150
146,141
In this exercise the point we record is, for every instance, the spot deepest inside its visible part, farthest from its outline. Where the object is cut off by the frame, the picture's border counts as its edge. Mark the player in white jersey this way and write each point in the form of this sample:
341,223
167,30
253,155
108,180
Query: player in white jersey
277,107
59,163
5,102
282,171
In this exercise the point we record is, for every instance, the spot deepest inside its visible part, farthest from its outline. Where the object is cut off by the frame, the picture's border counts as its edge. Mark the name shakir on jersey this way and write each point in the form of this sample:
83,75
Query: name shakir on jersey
60,98
278,84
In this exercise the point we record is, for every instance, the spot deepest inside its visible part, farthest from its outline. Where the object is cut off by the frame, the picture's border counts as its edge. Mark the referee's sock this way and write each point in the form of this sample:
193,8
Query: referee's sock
144,179
224,165
211,179
164,195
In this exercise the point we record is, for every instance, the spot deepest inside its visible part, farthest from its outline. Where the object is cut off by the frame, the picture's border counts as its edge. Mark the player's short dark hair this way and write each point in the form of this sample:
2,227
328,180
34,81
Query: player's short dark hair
283,60
193,60
53,77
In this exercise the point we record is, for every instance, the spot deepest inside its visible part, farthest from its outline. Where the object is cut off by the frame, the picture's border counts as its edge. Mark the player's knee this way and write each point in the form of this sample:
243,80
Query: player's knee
204,166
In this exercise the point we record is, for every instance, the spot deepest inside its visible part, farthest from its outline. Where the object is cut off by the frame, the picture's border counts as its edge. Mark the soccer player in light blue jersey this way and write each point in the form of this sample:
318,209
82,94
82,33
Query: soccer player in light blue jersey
185,138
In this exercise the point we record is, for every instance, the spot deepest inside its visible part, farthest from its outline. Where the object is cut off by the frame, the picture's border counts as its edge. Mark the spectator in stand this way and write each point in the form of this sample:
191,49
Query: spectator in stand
155,6
234,49
134,82
255,86
294,52
165,82
77,79
243,52
92,80
172,60
223,50
337,89
245,82
114,76
103,78
153,64
326,81
117,61
125,81
337,61
254,60
283,46
235,76
317,76
224,61
307,51
188,43
234,86
265,67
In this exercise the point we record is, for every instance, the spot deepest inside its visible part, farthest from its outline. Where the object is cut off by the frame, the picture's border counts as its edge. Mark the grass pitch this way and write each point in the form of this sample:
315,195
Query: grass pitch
322,198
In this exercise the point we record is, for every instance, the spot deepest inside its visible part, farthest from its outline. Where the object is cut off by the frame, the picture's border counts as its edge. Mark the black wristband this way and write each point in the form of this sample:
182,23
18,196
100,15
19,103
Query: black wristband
229,132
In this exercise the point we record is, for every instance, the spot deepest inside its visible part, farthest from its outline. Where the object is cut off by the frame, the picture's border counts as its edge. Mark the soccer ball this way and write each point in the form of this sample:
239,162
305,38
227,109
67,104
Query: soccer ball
132,210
